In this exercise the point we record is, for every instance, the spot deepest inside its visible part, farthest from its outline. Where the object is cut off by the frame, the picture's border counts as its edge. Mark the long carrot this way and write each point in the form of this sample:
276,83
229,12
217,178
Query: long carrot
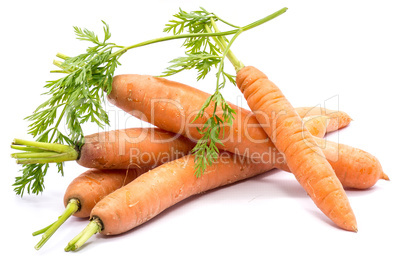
117,149
172,106
244,137
158,189
286,130
85,191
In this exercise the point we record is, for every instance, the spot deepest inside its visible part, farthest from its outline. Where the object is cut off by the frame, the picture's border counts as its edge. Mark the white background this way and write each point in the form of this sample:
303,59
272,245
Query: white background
342,54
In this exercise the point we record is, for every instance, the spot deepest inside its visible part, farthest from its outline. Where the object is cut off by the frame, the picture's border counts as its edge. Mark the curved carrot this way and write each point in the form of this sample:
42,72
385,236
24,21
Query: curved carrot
307,162
85,191
161,188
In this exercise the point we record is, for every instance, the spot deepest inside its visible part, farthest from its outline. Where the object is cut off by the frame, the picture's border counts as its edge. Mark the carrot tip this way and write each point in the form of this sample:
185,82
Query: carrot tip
384,177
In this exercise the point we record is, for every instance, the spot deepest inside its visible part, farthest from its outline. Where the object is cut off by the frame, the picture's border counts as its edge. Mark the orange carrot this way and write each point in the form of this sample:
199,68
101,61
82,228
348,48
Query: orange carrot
117,149
85,191
160,188
245,137
172,106
337,120
128,148
94,184
307,162
355,168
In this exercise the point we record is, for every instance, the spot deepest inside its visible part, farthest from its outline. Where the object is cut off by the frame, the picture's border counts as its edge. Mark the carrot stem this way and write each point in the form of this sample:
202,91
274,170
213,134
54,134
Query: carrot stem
91,229
72,206
41,152
221,41
43,230
192,35
62,56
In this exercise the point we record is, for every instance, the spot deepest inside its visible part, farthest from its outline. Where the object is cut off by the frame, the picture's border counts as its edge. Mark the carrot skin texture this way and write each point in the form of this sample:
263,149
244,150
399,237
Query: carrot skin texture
286,130
94,184
132,148
166,185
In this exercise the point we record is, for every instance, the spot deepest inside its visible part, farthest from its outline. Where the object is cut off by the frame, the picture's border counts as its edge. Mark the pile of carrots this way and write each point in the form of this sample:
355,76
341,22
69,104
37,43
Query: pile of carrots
117,200
135,174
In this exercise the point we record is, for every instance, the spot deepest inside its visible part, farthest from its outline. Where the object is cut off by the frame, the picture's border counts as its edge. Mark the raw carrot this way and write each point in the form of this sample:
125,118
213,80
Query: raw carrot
85,191
355,168
244,137
337,120
172,106
117,149
94,184
159,189
307,162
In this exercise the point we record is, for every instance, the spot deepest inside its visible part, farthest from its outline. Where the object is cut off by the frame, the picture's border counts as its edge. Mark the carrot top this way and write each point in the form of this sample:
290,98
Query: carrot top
77,97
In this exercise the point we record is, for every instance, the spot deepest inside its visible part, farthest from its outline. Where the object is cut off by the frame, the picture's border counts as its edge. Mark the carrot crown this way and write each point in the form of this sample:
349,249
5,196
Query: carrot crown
77,98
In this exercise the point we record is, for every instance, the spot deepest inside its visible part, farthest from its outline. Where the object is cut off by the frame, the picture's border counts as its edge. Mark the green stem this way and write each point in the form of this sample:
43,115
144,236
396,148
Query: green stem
62,56
42,152
221,41
23,148
30,154
192,35
91,229
57,63
43,230
72,207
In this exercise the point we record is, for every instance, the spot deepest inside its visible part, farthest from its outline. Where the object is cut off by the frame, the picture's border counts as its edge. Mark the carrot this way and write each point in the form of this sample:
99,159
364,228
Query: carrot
85,191
307,162
160,188
337,120
244,137
172,106
355,168
117,149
